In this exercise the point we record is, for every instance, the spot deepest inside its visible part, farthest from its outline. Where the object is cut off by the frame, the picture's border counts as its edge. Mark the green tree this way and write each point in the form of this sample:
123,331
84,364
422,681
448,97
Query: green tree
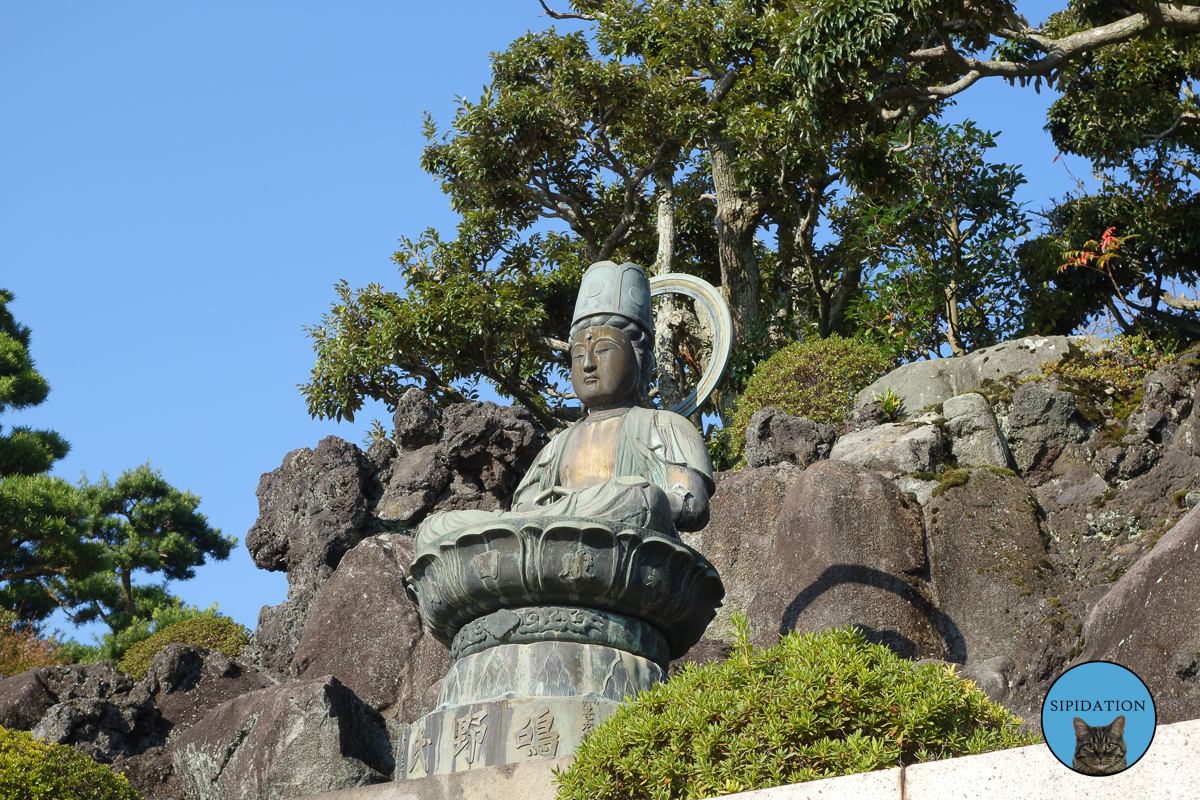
675,135
145,526
1130,109
41,517
942,249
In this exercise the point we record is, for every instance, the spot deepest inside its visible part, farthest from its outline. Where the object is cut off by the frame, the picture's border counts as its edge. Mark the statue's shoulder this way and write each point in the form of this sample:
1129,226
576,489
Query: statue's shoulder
678,437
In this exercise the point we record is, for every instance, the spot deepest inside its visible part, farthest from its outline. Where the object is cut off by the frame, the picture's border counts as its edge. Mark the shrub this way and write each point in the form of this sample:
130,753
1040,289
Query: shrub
22,646
1116,372
813,706
816,379
35,770
113,646
215,633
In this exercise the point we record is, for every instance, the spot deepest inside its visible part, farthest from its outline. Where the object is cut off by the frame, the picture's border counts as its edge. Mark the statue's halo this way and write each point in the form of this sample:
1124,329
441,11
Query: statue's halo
711,301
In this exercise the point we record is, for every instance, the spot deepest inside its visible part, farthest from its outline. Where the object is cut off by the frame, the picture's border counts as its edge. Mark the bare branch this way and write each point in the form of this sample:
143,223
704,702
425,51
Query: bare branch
552,14
555,344
1057,53
1187,166
722,86
1179,303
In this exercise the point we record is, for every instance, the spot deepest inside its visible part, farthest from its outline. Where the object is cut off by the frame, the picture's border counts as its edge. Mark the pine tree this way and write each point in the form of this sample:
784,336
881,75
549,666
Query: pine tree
42,519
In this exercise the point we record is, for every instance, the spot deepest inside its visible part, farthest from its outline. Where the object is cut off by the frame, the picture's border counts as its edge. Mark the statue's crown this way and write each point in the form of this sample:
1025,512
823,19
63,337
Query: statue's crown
609,288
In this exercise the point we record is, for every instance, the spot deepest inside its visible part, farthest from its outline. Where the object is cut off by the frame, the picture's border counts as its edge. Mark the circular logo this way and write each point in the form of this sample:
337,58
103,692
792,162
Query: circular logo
1098,718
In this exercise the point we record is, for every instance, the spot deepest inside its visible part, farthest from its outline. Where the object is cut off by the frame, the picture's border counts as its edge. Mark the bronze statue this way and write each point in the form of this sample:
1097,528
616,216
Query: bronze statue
622,463
580,596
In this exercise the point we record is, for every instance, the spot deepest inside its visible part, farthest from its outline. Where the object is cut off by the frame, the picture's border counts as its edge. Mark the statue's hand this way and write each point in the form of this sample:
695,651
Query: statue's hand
552,493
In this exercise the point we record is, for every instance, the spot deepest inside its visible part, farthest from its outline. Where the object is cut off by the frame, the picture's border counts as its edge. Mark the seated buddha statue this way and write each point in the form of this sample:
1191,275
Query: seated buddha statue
622,463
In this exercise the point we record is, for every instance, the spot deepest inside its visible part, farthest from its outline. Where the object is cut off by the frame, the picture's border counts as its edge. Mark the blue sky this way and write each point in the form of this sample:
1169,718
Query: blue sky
184,182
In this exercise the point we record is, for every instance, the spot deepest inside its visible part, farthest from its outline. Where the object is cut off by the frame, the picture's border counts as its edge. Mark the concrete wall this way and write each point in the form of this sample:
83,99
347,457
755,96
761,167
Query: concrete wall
1170,770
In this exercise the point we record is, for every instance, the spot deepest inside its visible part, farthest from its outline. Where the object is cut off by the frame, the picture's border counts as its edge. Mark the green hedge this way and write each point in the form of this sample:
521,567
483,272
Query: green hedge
814,706
34,770
215,633
816,379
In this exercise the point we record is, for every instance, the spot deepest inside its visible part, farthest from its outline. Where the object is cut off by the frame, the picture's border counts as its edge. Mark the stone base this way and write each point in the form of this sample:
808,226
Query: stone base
458,738
532,780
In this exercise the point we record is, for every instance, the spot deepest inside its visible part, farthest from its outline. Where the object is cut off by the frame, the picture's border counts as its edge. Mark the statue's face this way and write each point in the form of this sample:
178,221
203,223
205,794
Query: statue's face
604,367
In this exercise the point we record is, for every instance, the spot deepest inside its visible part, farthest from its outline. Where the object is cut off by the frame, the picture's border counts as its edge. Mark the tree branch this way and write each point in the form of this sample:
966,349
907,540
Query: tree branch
552,14
1057,53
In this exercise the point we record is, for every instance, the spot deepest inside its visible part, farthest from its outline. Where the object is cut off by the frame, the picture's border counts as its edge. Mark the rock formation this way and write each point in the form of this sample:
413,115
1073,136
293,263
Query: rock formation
1012,528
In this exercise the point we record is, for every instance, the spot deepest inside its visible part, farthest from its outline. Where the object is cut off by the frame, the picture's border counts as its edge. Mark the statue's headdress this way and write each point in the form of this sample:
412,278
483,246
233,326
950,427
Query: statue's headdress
609,288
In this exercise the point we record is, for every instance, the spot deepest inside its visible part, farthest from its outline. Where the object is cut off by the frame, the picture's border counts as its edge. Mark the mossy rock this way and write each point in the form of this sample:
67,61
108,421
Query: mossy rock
813,706
817,379
34,770
215,633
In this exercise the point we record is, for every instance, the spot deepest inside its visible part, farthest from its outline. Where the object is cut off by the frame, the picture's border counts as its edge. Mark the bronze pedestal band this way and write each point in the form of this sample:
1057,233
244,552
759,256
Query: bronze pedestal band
562,624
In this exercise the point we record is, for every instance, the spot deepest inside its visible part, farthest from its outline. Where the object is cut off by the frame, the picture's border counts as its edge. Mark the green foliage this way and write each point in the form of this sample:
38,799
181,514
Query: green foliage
816,379
42,525
34,770
890,403
23,647
22,451
811,707
1112,379
1128,108
145,525
941,248
215,633
113,645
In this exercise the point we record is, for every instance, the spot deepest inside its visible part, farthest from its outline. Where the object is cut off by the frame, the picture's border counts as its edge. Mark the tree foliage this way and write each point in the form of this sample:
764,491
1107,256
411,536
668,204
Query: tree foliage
78,547
941,248
41,518
143,525
721,138
1130,109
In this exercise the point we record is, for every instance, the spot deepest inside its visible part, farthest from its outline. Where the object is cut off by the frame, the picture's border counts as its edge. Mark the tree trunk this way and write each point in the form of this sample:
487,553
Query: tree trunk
127,591
738,219
666,340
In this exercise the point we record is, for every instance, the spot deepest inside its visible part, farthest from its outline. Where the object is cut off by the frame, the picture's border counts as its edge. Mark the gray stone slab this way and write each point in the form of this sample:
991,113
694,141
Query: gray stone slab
531,780
1169,769
924,383
882,784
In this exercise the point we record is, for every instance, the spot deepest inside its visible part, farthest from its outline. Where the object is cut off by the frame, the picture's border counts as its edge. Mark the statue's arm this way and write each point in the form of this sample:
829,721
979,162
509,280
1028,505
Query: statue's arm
688,497
689,473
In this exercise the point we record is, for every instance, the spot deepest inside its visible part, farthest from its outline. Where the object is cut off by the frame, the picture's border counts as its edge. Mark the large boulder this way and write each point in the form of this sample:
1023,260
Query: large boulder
365,632
24,699
471,455
740,535
311,511
100,711
975,439
186,682
892,447
1041,424
286,741
1149,621
922,384
775,437
848,549
985,557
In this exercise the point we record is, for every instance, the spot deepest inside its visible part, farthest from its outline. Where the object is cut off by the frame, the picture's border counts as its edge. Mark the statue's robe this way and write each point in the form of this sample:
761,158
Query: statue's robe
649,444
